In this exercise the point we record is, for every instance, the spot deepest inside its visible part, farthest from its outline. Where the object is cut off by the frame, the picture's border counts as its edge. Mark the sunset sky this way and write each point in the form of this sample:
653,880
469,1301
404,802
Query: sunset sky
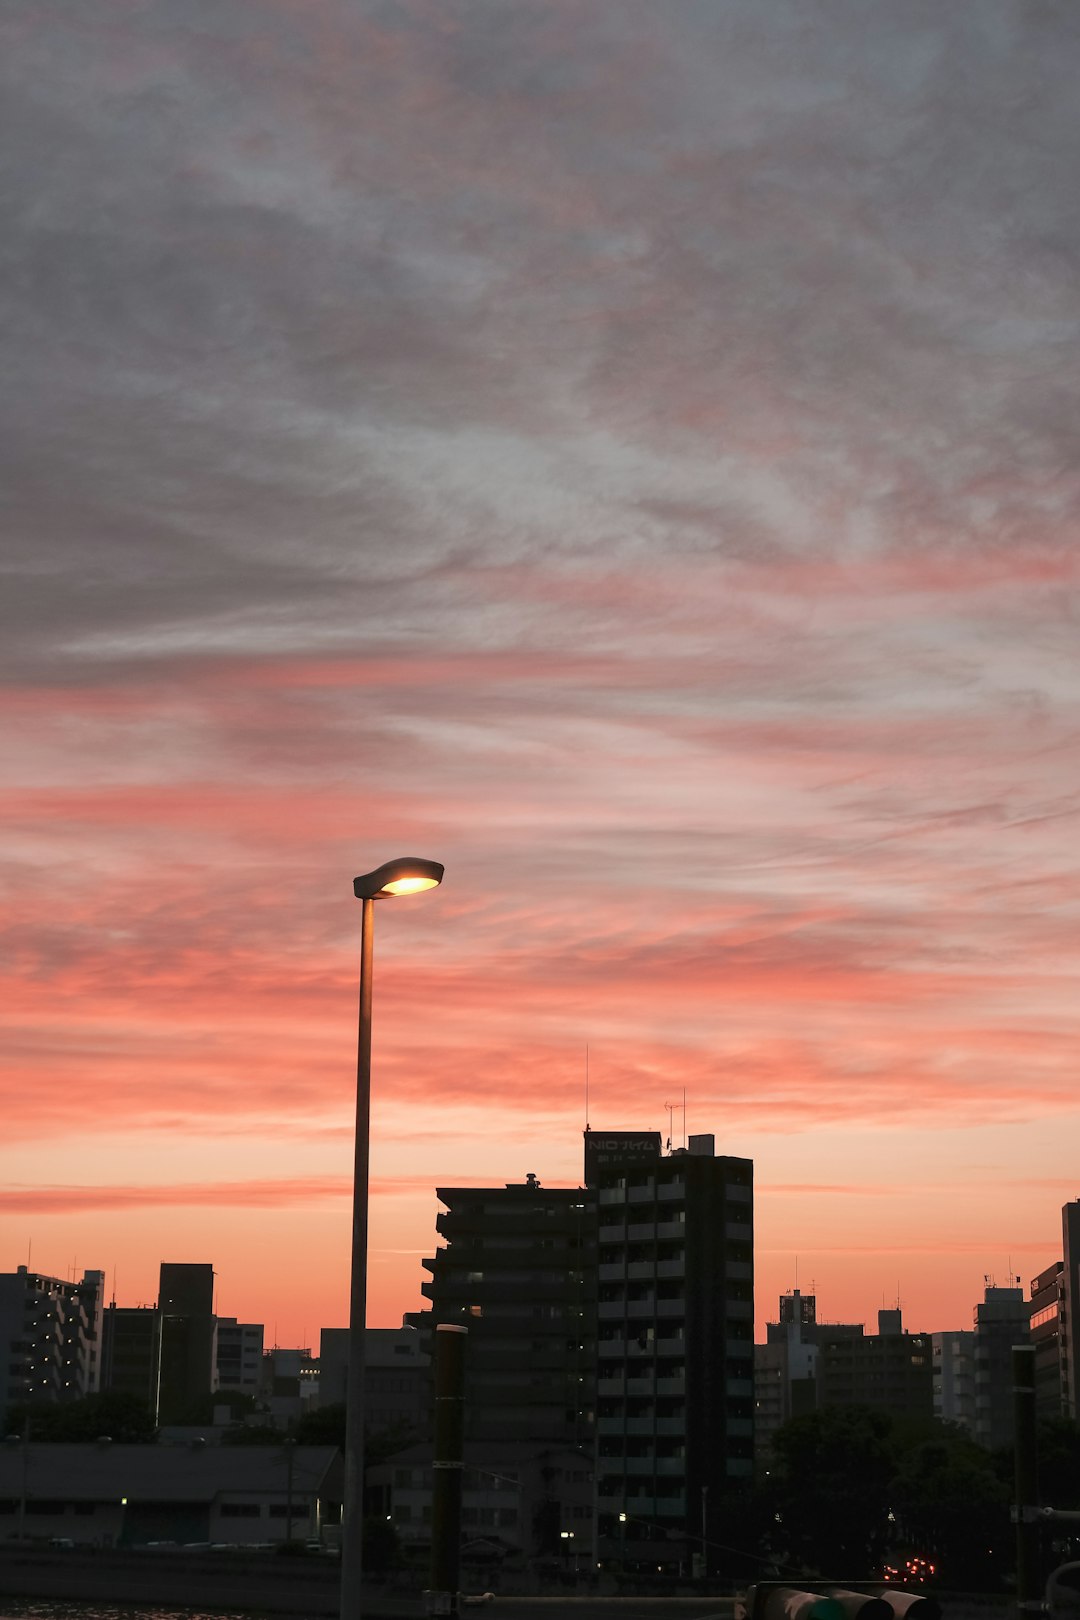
627,452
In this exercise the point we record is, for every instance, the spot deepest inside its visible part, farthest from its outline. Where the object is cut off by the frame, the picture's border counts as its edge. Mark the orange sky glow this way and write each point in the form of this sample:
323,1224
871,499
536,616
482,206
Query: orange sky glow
594,449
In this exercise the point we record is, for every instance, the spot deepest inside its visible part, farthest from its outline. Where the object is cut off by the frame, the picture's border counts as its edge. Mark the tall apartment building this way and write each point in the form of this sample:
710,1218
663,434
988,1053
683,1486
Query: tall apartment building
131,1353
517,1270
674,1352
610,1352
48,1344
1001,1321
1070,1331
954,1377
188,1338
1047,1328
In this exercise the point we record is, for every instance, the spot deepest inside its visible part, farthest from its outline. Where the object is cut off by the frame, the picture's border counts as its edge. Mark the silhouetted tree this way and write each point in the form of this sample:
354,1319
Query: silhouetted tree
124,1418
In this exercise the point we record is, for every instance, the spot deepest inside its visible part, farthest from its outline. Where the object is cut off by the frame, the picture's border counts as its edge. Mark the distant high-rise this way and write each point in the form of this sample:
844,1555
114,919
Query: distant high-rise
1001,1321
131,1353
1070,1335
1047,1327
954,1377
889,1369
239,1355
188,1339
785,1369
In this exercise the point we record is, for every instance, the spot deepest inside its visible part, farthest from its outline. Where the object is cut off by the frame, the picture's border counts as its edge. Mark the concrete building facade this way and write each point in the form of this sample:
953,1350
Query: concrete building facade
1001,1321
48,1337
239,1355
1070,1330
674,1353
954,1377
890,1369
1047,1329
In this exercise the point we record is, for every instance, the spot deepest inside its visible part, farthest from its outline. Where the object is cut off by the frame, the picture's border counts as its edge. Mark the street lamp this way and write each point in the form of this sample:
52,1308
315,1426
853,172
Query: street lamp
406,875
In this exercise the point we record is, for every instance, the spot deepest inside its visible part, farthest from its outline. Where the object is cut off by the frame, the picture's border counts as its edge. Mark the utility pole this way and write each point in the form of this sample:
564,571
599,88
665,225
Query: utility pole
447,1469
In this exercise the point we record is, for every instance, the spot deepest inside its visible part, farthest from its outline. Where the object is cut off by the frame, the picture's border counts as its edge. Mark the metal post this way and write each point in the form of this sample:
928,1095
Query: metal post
447,1468
20,1523
1028,1589
353,1507
290,1447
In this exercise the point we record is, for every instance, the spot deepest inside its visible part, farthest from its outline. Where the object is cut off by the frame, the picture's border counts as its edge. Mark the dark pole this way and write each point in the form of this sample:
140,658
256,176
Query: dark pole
353,1506
290,1445
1028,1594
20,1530
447,1458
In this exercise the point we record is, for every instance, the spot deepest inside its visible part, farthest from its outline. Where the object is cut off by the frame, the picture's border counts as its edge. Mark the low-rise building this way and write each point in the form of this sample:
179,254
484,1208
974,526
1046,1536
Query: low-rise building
128,1495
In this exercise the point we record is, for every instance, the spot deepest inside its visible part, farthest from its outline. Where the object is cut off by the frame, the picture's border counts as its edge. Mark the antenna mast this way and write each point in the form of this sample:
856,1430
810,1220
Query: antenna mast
586,1085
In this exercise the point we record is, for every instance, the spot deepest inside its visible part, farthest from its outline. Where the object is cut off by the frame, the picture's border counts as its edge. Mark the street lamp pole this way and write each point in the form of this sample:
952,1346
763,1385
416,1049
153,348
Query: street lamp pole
403,876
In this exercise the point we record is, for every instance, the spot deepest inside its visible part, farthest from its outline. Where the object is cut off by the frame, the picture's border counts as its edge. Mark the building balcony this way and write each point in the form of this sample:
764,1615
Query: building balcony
640,1308
671,1192
611,1386
613,1271
671,1386
640,1425
636,1467
639,1507
641,1269
671,1425
671,1268
670,1229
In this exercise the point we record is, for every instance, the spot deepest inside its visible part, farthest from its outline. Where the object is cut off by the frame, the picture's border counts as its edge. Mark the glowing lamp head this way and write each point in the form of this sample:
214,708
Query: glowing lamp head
407,875
409,885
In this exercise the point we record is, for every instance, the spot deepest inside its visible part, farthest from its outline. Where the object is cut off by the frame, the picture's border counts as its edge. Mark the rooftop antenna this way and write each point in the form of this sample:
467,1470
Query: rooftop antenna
684,1116
586,1085
113,1285
670,1112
